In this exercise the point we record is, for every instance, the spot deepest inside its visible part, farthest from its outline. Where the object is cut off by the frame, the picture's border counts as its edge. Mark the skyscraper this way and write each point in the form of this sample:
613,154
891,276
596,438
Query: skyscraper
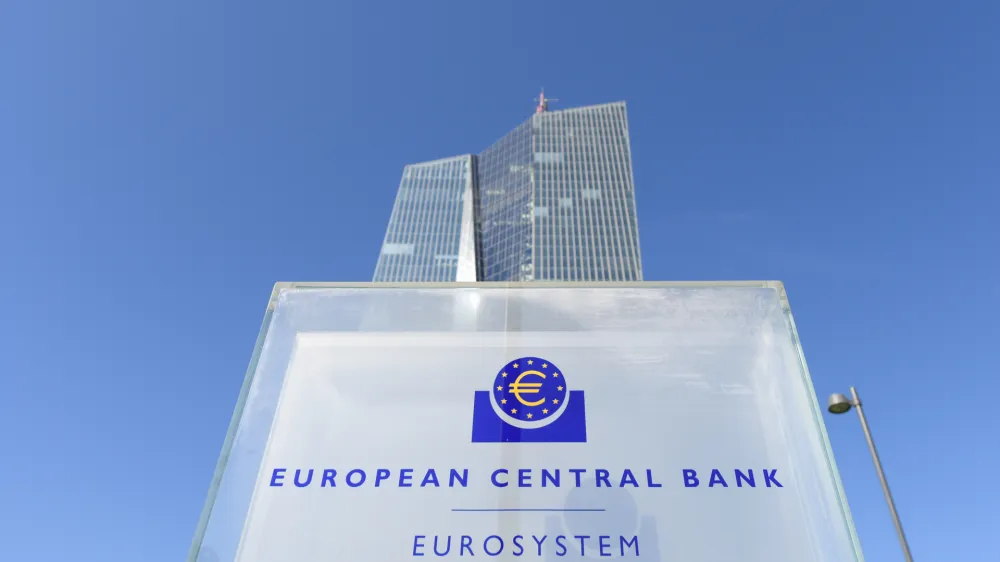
553,200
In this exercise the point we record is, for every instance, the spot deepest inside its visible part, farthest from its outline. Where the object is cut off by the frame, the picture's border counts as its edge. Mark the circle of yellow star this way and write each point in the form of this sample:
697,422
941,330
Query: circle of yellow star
529,361
555,400
529,416
499,388
513,410
559,388
503,400
545,410
555,375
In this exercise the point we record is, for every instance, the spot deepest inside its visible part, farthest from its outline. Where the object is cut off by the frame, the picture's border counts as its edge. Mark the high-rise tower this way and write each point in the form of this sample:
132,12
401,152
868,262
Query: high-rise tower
553,200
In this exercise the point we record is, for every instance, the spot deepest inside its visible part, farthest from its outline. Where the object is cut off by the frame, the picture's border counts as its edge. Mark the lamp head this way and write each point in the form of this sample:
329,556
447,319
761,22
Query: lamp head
838,404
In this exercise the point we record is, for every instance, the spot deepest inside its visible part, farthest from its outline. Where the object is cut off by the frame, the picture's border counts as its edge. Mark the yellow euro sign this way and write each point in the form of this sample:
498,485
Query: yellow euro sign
517,388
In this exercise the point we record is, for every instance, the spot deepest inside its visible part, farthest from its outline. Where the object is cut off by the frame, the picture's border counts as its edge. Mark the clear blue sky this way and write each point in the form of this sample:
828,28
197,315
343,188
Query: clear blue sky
163,163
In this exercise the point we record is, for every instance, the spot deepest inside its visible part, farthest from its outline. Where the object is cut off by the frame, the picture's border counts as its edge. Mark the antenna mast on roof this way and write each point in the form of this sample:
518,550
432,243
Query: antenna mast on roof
543,102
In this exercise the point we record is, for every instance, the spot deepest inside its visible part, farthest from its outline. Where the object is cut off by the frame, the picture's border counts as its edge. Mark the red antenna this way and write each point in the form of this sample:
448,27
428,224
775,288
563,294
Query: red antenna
543,102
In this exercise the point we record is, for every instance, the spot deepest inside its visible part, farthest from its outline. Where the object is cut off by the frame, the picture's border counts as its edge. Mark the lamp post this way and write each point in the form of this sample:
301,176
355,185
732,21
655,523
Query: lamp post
840,404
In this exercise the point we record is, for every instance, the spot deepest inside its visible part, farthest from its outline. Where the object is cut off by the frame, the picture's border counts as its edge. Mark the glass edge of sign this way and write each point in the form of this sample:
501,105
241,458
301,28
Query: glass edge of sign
234,423
817,413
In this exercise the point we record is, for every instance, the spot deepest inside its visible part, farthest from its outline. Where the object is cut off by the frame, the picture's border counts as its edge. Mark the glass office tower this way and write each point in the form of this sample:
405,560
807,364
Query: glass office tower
553,200
432,225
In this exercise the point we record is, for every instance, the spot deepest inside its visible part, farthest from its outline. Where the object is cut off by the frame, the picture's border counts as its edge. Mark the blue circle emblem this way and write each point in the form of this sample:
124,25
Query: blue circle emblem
529,392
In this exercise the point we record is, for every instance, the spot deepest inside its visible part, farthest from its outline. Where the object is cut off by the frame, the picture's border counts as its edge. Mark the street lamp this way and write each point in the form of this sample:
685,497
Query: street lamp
840,404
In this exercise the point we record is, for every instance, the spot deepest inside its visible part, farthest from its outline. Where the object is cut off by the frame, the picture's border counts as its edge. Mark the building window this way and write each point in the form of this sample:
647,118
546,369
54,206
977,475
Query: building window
397,249
548,157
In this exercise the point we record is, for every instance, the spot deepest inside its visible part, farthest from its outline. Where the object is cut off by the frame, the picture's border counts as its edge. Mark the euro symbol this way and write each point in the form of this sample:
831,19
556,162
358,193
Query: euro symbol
517,388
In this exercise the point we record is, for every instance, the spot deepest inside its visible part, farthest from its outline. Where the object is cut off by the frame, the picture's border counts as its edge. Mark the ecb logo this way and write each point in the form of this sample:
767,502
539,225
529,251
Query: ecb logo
530,402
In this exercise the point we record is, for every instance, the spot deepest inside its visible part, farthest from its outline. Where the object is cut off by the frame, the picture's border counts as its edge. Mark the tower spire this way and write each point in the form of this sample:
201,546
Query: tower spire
543,102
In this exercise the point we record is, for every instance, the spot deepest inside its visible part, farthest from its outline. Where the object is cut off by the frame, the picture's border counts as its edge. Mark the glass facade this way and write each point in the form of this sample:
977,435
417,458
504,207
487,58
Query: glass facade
425,239
583,215
504,222
553,200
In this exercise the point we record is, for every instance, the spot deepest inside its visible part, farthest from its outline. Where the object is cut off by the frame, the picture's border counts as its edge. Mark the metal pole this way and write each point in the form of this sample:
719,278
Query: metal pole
881,476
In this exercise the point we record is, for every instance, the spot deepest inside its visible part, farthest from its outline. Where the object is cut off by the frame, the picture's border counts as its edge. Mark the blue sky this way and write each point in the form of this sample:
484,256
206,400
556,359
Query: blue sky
162,164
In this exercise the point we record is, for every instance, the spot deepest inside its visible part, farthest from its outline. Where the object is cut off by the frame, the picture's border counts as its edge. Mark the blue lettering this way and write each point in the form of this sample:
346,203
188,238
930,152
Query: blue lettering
560,544
633,542
601,475
486,546
405,475
418,543
466,544
524,478
447,546
690,478
628,478
358,483
770,477
380,475
649,480
462,478
605,544
539,542
583,540
493,477
551,477
430,478
717,479
328,476
748,478
517,545
277,476
578,472
298,471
